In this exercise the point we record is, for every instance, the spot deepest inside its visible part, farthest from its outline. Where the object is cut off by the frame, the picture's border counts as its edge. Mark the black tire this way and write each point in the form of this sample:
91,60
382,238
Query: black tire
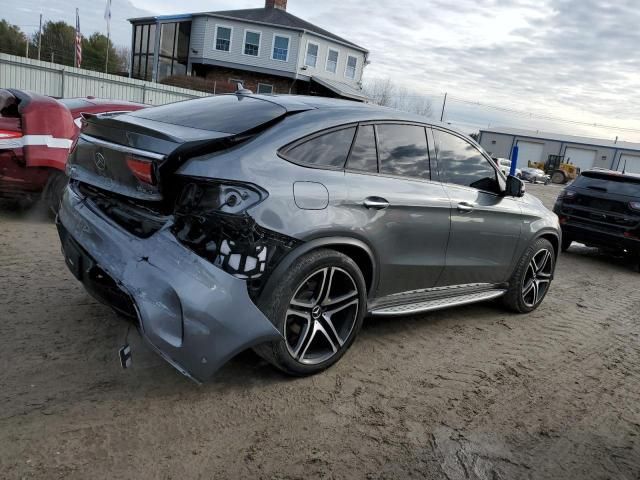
515,298
54,190
566,243
277,308
559,177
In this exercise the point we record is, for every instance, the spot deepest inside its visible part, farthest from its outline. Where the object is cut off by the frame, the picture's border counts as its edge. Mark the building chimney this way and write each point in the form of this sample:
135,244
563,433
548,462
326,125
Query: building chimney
281,4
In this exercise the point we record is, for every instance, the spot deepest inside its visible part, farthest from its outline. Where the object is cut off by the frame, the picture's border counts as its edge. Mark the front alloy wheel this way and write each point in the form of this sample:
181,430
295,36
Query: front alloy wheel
537,278
532,277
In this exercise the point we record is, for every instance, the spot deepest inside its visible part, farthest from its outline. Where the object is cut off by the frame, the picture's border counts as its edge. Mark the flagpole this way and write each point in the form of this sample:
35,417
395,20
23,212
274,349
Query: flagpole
106,63
107,17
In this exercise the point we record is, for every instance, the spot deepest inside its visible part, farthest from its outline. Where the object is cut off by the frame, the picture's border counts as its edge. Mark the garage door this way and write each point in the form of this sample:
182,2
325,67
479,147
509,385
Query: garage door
632,163
580,157
529,152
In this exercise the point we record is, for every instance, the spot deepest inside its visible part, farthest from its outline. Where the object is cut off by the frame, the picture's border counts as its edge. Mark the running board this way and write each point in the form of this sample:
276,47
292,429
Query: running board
437,304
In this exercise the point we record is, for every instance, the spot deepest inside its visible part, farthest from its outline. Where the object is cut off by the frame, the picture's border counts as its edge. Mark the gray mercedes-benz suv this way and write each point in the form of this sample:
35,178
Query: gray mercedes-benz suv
280,222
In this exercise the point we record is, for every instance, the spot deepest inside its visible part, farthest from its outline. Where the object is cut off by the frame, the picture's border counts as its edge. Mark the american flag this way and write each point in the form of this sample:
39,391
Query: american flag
78,41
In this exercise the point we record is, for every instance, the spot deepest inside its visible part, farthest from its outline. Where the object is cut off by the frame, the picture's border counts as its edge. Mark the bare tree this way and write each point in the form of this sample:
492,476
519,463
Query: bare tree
382,91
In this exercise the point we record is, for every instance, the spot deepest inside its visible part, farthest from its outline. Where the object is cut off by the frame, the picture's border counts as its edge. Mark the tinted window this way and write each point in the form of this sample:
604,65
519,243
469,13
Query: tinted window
224,113
403,150
328,150
363,153
611,183
461,163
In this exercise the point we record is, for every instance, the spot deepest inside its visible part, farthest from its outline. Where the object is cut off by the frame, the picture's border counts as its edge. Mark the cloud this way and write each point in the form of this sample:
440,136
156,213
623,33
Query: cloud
567,58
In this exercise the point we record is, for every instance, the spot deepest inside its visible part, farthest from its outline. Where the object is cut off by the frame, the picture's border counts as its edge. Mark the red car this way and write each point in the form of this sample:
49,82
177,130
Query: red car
36,133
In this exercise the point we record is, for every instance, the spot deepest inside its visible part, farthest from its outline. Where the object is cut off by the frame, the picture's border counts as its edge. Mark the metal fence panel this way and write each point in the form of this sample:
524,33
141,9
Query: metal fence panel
61,81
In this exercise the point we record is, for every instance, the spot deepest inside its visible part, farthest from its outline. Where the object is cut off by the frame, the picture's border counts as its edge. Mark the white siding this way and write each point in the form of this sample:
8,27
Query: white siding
203,35
60,81
320,70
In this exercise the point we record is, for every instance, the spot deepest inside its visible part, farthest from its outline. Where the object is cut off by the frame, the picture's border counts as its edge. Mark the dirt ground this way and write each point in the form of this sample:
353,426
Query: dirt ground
469,393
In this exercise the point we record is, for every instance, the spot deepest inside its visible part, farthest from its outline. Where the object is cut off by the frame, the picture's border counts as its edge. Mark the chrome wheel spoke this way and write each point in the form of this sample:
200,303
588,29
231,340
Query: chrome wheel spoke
305,334
527,288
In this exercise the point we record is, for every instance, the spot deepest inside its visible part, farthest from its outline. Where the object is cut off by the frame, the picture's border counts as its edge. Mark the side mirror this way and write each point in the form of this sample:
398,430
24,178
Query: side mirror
515,187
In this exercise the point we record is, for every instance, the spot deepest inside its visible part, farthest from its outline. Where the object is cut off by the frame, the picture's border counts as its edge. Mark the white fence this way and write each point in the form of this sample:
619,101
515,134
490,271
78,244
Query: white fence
61,81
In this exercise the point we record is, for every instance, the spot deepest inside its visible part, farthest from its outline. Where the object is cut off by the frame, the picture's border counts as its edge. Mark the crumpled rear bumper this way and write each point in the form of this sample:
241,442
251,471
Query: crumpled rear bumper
194,314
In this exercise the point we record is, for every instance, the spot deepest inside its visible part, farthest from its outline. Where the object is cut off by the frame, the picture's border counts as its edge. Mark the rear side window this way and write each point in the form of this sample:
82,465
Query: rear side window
403,150
461,163
363,154
326,150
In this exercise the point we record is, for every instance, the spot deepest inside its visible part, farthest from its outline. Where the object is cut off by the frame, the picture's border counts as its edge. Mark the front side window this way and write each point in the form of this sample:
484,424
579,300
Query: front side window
363,154
223,39
280,48
311,59
252,43
352,63
461,163
327,150
332,61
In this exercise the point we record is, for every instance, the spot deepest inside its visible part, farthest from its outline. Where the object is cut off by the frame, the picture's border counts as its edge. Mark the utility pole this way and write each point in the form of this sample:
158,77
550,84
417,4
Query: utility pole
443,105
40,37
27,50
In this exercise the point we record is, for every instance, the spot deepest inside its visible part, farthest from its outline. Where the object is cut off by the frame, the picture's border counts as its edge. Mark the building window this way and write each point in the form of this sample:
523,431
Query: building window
280,48
144,45
223,38
332,60
265,88
174,49
311,59
352,63
252,43
236,81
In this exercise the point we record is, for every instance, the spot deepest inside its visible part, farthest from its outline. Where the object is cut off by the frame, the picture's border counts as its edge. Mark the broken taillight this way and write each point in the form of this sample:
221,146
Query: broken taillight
7,134
142,169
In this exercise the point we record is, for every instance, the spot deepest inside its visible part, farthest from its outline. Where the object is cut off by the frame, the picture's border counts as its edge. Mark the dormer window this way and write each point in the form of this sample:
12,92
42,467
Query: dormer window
332,60
311,59
352,63
252,43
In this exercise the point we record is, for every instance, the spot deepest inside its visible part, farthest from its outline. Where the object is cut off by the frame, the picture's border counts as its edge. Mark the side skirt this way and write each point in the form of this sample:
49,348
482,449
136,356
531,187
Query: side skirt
419,301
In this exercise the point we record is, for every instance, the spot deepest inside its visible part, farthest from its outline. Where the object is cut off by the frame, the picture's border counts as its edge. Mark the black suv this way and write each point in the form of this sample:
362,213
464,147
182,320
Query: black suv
601,208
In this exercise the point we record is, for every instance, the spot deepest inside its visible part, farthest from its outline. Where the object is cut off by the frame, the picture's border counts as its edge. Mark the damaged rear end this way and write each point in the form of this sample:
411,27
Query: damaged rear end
180,255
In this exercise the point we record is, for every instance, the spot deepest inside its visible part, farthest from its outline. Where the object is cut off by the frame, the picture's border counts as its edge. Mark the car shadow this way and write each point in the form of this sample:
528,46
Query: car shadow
33,212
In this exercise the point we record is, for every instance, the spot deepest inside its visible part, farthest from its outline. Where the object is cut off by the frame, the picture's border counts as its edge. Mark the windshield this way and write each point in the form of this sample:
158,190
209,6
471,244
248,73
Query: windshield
609,182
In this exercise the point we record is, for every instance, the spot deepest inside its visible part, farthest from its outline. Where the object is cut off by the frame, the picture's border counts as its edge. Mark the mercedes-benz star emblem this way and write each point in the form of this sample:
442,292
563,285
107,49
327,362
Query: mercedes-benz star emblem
100,161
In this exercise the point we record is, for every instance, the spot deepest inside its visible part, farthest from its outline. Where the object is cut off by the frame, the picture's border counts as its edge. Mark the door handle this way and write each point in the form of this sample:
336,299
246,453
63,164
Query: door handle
377,203
466,207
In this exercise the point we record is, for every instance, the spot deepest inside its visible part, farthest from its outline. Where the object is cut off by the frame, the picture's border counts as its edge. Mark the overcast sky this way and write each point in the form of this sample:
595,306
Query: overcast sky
575,59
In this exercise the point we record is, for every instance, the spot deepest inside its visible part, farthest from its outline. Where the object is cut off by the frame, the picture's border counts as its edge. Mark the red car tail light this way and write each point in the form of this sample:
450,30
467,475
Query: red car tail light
6,134
142,169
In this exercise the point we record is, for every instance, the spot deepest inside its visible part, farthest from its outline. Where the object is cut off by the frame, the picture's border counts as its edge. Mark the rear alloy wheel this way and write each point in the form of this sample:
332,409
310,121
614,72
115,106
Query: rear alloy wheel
318,309
531,281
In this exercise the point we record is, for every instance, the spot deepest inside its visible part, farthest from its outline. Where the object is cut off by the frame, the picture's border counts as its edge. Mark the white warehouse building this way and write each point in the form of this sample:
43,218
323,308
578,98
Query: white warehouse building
584,152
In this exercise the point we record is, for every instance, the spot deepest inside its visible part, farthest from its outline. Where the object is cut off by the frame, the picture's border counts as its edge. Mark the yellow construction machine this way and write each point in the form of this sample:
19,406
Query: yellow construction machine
559,170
